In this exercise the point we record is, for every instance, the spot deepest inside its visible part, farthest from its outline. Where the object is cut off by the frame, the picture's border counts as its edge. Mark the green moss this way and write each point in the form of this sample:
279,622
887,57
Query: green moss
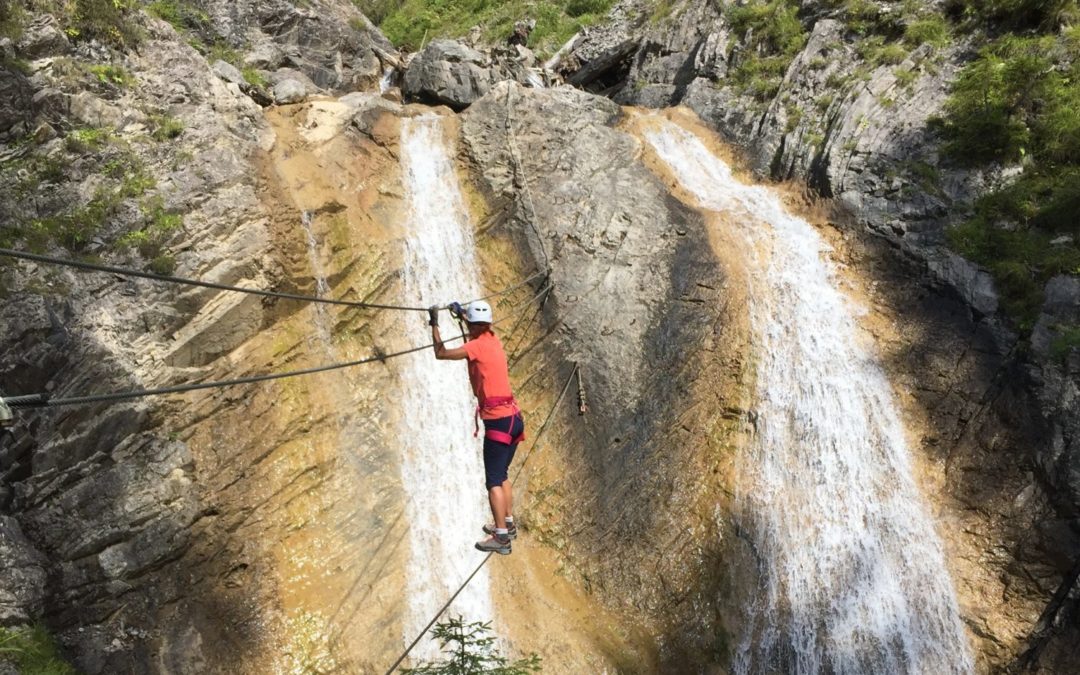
412,23
33,651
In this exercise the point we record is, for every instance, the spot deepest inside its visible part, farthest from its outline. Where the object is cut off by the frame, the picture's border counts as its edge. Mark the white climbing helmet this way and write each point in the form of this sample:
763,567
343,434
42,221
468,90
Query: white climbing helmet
478,312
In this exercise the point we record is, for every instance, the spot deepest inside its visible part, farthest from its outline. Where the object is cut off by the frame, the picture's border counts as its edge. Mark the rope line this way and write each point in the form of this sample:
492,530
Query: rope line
123,271
46,401
446,605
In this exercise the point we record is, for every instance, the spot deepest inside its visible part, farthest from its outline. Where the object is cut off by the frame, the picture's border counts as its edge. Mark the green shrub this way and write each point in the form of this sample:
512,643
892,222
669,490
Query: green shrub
773,36
107,20
378,10
182,15
411,23
1020,96
1011,235
469,650
33,651
12,19
931,29
107,73
253,77
1068,340
166,128
149,240
876,51
1016,14
87,139
905,77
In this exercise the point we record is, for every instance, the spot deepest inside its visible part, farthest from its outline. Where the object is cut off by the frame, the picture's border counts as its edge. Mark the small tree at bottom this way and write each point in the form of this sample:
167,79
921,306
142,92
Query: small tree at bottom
469,650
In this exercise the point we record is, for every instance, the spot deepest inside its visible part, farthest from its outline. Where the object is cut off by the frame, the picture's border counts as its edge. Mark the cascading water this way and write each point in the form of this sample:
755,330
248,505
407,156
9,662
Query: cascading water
854,575
387,80
441,466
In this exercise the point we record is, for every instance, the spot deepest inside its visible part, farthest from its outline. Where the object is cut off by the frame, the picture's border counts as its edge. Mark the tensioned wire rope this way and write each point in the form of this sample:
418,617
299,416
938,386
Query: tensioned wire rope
123,271
464,584
46,401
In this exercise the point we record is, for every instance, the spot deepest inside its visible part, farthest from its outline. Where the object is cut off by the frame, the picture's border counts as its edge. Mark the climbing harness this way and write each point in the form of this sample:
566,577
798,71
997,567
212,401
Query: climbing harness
504,437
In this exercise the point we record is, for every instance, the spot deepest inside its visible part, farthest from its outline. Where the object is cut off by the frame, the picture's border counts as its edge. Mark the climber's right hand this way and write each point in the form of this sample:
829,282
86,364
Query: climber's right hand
433,315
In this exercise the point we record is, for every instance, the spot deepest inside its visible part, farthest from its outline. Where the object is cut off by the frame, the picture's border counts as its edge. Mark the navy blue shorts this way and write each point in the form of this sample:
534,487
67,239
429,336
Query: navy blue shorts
497,456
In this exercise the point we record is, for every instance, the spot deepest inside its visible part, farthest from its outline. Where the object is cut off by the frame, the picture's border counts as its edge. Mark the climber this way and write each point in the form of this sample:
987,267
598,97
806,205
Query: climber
504,425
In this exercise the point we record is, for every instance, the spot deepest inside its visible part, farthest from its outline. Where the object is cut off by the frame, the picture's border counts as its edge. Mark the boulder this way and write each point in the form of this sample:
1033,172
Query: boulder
265,56
228,72
43,37
448,73
289,91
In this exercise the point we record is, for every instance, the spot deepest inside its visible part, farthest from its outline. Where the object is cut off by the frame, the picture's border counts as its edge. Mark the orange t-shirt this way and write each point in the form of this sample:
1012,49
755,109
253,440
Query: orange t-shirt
489,374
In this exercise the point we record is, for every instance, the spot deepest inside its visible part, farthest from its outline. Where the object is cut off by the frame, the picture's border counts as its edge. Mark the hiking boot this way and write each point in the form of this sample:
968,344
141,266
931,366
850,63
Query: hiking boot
511,531
494,544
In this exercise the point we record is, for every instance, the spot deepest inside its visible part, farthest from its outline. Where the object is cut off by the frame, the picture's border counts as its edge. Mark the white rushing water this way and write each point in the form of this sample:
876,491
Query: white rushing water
442,470
854,577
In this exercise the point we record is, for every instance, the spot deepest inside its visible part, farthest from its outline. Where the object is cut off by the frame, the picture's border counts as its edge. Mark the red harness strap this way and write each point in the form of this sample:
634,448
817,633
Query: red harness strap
494,434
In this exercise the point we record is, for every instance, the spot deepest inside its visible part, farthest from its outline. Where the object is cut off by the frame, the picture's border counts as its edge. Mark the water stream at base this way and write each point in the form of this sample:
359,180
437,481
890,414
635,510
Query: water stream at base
441,467
854,578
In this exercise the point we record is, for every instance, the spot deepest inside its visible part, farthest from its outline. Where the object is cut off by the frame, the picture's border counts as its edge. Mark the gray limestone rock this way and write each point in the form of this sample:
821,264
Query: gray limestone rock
16,95
289,91
22,569
449,73
43,37
1060,312
228,72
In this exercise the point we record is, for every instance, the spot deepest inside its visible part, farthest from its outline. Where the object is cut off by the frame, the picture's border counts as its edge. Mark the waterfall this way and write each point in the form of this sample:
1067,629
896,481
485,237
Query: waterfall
854,577
441,466
386,82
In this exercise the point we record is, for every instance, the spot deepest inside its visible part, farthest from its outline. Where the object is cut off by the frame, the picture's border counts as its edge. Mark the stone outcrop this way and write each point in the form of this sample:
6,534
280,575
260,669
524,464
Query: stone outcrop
330,42
449,73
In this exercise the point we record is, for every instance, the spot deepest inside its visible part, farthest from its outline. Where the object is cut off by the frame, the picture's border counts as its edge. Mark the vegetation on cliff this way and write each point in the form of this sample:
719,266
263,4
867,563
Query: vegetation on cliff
409,24
32,651
1018,103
